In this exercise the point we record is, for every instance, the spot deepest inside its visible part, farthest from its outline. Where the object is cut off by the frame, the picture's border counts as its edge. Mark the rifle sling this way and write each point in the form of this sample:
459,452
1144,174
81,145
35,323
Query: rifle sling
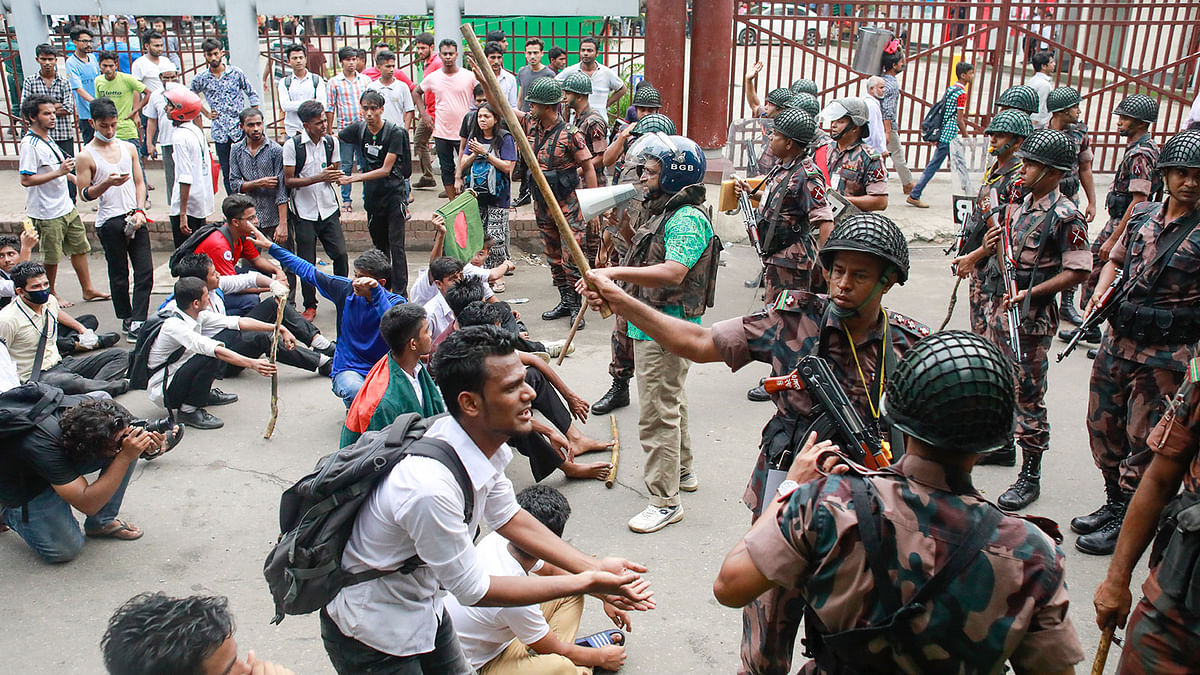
1185,228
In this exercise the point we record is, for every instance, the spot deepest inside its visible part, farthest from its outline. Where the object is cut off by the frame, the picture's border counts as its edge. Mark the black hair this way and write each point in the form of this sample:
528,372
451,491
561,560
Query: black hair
361,53
193,265
310,110
22,272
592,39
447,43
151,35
495,35
499,129
444,266
493,48
248,113
347,52
90,428
460,362
78,31
463,292
107,55
235,205
45,50
384,56
103,108
375,264
10,241
1041,59
400,324
479,313
424,39
478,90
371,99
31,106
210,44
962,69
188,290
294,47
889,61
534,41
546,504
153,633
383,44
556,52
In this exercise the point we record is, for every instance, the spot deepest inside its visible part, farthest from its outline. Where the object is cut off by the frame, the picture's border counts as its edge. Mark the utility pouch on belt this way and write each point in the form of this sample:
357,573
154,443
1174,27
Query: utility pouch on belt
1177,573
1117,203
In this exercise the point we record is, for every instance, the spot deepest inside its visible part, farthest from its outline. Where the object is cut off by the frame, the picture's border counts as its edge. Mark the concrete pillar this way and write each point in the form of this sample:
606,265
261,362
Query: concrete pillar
666,41
708,77
26,19
447,17
242,27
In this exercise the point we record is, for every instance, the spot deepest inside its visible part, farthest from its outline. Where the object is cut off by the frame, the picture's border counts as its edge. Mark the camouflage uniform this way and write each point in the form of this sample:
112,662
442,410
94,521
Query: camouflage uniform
559,155
793,199
594,126
1136,174
628,214
1006,181
1130,378
1069,185
799,323
1008,606
1038,259
857,171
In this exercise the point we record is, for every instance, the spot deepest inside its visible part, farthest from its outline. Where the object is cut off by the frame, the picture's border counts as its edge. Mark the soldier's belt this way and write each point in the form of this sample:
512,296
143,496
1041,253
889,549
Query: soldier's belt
1156,326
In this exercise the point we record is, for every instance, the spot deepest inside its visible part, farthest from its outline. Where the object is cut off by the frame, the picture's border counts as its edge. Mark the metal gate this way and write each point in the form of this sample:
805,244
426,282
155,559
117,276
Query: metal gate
1107,49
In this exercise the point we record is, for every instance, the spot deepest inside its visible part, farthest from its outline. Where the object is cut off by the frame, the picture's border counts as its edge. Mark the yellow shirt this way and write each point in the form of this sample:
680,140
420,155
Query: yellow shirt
21,328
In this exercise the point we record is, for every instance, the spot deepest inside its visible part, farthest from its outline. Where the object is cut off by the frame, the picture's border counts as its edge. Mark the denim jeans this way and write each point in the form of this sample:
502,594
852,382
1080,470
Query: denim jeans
47,523
223,150
346,385
935,163
351,657
350,154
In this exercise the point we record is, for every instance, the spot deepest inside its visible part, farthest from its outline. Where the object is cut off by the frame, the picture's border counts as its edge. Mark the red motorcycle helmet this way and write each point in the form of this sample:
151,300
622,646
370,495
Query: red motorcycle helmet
184,104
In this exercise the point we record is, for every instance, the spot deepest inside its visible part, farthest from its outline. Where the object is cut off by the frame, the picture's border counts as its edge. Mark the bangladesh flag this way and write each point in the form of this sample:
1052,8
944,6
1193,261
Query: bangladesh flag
464,228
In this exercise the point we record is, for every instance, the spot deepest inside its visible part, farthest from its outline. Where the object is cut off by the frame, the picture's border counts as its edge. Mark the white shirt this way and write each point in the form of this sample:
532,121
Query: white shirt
439,315
878,138
1193,114
178,331
415,383
483,274
1042,84
485,632
192,167
319,200
148,72
302,90
231,283
422,290
418,509
604,80
8,371
508,85
156,107
50,199
397,100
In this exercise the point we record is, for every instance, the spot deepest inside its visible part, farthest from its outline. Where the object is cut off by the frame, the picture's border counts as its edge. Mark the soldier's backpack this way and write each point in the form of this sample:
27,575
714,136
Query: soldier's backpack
140,371
317,514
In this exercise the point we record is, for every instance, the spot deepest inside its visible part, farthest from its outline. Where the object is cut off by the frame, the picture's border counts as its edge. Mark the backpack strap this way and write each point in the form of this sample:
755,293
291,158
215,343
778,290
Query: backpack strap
40,354
301,152
328,141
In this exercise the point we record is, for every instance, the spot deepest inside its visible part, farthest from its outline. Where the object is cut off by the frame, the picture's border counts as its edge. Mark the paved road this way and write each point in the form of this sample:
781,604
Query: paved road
209,508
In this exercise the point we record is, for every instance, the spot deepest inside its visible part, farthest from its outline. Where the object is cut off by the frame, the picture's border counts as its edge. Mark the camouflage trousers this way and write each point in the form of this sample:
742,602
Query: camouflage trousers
621,366
769,627
563,270
1160,642
1089,286
1125,403
978,300
1033,426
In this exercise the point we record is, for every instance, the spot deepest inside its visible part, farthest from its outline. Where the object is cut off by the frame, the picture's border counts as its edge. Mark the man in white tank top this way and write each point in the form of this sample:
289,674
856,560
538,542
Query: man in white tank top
109,169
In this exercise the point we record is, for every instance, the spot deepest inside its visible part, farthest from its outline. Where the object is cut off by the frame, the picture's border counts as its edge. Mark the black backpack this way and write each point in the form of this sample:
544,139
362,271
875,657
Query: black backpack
140,371
23,408
931,123
317,514
298,144
198,236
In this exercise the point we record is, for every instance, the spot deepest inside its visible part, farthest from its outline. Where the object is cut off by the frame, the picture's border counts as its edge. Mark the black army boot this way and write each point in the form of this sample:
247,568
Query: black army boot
1028,486
575,302
563,308
617,396
1101,516
1066,307
1006,456
759,394
1092,336
1104,540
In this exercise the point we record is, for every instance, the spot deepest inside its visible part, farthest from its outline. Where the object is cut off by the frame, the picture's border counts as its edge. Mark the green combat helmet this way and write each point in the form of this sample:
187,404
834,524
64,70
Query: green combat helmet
780,97
797,125
1010,121
1022,97
1139,107
576,83
1050,147
806,102
545,91
953,390
869,233
654,122
804,86
1181,151
647,97
1061,99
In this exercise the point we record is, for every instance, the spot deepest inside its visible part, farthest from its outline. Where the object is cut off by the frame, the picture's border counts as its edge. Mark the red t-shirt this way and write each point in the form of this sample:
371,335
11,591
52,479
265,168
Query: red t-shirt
433,63
216,247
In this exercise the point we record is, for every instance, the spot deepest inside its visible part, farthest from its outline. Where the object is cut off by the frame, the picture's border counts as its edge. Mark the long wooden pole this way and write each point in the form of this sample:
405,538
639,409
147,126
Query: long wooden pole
615,459
500,103
570,336
1102,651
275,376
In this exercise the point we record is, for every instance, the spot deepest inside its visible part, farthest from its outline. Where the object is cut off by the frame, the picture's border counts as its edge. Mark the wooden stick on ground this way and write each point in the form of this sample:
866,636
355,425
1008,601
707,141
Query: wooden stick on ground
953,302
615,458
275,377
500,102
1102,651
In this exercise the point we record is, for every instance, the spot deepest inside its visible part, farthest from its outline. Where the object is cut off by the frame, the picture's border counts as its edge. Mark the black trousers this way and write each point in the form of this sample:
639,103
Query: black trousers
385,222
543,458
68,149
351,657
253,344
94,372
302,328
177,234
120,252
446,152
306,233
66,336
192,382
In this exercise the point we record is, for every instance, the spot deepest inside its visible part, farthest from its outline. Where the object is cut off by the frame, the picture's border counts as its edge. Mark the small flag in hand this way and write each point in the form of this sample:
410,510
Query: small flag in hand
464,228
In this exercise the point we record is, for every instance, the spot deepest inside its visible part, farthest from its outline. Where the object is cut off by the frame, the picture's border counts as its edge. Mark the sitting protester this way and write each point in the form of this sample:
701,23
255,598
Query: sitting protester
13,251
232,242
533,640
183,359
467,289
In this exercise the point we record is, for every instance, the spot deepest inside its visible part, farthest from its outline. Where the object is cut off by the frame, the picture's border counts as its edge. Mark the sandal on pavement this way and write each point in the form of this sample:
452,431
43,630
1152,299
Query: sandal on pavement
497,286
117,529
602,639
171,438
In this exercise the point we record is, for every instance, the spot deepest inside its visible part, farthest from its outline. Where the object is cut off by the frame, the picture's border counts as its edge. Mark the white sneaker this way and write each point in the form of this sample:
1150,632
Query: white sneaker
688,482
654,518
555,347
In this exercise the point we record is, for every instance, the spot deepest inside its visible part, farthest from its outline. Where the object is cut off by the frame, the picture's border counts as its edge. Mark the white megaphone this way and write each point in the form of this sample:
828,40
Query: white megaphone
594,201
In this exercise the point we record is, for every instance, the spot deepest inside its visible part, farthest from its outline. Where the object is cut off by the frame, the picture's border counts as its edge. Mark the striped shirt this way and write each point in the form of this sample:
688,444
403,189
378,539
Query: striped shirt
61,92
343,98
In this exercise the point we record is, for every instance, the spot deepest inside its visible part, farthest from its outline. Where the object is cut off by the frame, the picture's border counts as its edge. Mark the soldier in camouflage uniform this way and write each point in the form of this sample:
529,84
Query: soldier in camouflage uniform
1004,603
856,170
561,149
592,123
804,86
618,232
1063,105
865,256
1136,180
811,105
1006,131
1152,336
1021,97
1049,242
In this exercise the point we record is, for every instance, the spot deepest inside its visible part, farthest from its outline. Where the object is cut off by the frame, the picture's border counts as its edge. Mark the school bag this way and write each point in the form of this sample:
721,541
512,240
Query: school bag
931,124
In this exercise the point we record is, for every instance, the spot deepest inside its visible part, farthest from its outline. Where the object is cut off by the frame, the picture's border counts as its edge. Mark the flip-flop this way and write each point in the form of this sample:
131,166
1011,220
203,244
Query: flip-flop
172,437
117,529
98,298
602,639
498,287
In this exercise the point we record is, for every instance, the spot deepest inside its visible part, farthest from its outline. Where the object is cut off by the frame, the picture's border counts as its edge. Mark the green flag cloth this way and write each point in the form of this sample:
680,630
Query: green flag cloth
464,228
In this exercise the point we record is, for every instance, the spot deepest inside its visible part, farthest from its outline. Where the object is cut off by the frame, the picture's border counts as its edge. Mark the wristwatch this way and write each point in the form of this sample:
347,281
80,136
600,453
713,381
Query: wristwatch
786,488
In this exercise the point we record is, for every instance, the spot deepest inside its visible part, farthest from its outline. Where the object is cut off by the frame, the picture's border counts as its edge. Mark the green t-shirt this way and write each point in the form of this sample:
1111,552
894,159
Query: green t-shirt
686,235
121,89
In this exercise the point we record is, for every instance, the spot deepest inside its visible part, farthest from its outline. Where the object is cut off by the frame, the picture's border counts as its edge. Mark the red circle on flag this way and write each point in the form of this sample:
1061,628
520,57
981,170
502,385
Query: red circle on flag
460,229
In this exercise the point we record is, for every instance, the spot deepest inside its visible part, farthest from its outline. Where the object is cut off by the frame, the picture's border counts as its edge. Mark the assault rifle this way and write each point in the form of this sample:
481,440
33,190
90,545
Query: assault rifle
751,220
833,411
1008,267
1099,312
